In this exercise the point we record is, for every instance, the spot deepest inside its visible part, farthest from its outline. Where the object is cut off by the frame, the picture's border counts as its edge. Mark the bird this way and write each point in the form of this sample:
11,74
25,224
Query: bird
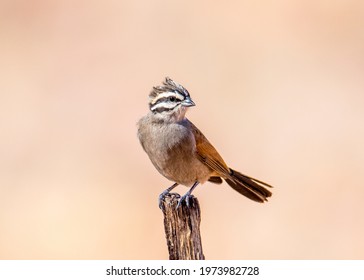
180,151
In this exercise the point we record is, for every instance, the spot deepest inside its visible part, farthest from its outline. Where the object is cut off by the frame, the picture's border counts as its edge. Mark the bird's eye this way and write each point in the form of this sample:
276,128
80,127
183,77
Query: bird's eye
172,99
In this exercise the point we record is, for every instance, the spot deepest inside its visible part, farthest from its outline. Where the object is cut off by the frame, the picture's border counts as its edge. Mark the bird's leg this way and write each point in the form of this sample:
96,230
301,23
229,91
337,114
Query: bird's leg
163,194
186,196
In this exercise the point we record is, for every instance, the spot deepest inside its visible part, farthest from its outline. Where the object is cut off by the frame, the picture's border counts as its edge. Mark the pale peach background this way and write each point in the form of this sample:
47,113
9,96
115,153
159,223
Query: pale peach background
279,88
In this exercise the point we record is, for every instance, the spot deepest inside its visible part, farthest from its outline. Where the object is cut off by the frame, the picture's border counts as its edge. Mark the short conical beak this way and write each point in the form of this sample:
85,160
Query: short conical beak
188,102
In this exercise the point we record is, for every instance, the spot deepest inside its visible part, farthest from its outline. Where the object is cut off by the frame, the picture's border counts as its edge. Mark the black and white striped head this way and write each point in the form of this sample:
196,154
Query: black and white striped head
170,100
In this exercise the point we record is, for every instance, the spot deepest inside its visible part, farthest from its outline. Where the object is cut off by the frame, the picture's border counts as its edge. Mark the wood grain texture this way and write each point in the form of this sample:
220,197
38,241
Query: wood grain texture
182,228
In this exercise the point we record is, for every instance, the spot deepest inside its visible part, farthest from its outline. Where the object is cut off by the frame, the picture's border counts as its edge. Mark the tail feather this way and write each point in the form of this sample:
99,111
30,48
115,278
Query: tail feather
248,186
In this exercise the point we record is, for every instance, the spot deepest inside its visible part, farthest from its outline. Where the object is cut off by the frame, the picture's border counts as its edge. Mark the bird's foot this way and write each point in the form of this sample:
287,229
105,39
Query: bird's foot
161,198
185,198
163,194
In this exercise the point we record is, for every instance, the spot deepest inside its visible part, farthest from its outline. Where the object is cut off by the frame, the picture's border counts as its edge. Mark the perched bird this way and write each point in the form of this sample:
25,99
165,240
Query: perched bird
179,150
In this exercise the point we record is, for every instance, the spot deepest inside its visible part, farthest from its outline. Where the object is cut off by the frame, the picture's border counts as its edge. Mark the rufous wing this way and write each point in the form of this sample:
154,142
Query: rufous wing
208,154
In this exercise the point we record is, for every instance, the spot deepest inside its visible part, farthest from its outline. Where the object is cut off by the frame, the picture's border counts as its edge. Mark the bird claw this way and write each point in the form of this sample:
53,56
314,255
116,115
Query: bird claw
161,198
163,195
185,198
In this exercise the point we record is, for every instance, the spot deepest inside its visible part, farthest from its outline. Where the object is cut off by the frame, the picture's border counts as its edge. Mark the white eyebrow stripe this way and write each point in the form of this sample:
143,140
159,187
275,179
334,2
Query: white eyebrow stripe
168,94
163,105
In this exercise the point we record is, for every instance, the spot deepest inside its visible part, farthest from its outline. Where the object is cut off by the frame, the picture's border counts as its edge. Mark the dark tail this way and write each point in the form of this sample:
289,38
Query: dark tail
249,187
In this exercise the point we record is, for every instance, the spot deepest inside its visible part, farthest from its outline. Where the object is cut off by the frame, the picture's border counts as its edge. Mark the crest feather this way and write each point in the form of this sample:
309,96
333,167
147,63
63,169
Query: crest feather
168,86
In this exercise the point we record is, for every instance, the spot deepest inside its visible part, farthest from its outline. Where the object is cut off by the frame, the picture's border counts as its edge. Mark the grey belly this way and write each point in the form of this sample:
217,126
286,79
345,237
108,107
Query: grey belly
179,164
185,171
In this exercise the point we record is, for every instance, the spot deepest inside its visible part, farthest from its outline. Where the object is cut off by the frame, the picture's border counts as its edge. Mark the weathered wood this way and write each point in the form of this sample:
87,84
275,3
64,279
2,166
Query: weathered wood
182,228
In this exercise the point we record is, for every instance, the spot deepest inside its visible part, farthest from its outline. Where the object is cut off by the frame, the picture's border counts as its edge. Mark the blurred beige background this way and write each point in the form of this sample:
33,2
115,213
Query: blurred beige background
279,90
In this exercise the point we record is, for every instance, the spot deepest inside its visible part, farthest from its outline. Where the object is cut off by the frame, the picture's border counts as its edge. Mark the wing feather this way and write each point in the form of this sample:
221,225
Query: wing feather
208,154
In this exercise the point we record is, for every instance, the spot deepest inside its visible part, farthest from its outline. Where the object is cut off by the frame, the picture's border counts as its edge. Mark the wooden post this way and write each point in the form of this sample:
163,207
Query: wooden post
182,228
